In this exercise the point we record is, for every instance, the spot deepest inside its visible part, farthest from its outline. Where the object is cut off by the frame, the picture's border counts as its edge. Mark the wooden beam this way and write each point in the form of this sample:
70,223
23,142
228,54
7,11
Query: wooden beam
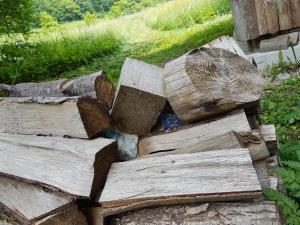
269,135
263,213
140,97
81,117
284,14
187,137
209,81
176,178
27,202
280,42
75,166
295,10
95,84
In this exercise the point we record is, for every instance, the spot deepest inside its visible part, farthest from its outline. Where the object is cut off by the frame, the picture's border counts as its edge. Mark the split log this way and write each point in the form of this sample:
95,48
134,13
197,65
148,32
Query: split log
75,166
229,140
269,134
81,117
264,213
227,43
27,203
262,172
194,135
140,97
70,216
206,82
268,14
245,19
176,178
95,84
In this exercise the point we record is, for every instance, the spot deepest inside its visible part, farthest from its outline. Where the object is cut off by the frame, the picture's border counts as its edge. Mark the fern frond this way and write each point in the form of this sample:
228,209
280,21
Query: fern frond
287,205
292,164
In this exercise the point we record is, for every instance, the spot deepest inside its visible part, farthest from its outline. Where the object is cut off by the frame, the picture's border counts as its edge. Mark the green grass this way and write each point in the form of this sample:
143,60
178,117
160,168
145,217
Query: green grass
77,49
281,106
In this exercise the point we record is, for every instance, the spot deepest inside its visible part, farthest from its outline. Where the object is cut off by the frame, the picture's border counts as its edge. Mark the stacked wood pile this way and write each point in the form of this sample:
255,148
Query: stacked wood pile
57,168
261,19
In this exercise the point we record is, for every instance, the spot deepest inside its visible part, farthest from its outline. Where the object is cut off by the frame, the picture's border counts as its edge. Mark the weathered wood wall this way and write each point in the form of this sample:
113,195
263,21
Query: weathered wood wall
256,18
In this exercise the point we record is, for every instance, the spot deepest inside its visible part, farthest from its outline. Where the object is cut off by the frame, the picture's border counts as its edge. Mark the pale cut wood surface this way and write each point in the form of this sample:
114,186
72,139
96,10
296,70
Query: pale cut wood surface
264,213
29,202
269,134
140,97
227,43
280,42
186,137
205,176
208,81
229,140
82,117
78,167
70,216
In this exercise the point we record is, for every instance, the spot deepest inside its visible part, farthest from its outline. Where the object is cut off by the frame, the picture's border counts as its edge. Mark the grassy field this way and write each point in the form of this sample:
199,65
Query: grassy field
149,35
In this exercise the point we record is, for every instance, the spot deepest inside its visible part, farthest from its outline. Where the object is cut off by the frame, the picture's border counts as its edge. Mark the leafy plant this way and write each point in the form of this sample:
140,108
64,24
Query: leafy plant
90,18
48,23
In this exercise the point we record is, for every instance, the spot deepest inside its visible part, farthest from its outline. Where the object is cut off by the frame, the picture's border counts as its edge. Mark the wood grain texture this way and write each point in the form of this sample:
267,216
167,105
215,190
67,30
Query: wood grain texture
264,213
229,140
262,172
78,167
284,14
82,117
140,97
245,19
27,202
269,134
70,216
95,84
295,11
280,42
177,178
187,137
211,81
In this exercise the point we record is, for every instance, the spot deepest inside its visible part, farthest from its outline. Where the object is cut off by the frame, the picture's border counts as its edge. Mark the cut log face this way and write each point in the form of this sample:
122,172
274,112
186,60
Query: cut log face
269,134
70,216
95,84
205,176
140,97
264,213
27,202
82,117
195,135
77,167
206,82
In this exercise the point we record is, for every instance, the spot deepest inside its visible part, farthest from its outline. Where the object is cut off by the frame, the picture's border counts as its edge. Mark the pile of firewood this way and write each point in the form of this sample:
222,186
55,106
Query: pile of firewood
202,155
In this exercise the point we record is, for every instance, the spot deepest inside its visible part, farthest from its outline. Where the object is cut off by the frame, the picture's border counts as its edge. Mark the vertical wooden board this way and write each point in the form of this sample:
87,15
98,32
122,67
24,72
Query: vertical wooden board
206,176
284,14
245,19
28,202
295,10
262,21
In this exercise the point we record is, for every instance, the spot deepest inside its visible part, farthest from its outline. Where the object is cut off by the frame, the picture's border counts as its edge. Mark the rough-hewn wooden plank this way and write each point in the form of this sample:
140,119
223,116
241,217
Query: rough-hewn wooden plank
264,213
78,167
262,172
204,89
82,117
229,140
269,134
280,42
27,202
95,84
140,97
186,137
223,175
70,216
295,11
245,19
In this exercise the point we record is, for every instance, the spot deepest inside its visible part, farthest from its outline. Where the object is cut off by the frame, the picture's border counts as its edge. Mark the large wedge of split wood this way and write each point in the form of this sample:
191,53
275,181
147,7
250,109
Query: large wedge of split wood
140,97
75,166
264,213
95,84
208,81
183,178
80,117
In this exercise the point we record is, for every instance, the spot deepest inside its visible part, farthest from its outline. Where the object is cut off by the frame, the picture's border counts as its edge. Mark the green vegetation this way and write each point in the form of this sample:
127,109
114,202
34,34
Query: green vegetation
77,48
